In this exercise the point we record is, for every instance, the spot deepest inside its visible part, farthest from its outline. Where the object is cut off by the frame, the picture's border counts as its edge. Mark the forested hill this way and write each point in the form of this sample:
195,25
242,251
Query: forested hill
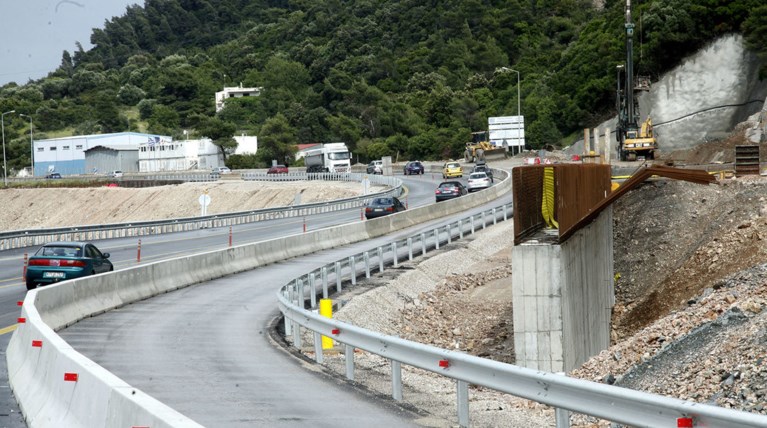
404,78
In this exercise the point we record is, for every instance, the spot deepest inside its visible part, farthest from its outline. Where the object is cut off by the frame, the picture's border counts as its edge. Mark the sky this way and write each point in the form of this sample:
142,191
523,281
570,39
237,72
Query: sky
34,33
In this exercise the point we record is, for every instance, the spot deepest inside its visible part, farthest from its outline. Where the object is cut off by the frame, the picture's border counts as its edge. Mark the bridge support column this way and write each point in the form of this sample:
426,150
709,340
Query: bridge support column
562,297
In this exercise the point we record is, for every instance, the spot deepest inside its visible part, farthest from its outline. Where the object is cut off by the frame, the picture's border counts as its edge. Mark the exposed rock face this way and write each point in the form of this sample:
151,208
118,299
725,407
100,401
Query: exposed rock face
719,86
701,100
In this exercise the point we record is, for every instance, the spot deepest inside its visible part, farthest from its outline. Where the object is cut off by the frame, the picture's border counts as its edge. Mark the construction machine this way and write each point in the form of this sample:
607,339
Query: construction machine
633,140
480,148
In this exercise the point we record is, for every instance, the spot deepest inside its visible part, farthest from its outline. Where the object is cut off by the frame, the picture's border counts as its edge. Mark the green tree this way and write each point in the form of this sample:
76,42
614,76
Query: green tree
276,141
221,134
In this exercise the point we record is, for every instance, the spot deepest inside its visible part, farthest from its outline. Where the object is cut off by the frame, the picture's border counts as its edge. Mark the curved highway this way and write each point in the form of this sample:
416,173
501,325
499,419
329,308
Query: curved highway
205,351
124,253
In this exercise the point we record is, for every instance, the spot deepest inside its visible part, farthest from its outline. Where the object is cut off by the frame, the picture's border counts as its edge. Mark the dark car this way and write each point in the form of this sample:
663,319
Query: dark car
481,167
378,207
449,190
53,175
58,261
413,168
278,169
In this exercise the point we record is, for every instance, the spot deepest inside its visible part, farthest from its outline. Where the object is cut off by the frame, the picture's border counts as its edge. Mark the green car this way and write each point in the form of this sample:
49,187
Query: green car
59,261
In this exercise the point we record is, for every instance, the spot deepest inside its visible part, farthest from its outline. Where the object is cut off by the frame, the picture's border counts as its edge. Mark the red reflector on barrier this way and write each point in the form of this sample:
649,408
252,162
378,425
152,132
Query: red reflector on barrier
444,364
20,303
70,377
37,343
21,320
335,331
684,423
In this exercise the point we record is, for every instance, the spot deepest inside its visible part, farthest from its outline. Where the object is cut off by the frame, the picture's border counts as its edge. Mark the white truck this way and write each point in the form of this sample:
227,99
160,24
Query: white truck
331,157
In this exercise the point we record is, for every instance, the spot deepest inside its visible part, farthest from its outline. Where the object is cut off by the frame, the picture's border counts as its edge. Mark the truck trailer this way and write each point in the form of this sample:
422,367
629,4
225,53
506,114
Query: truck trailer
331,157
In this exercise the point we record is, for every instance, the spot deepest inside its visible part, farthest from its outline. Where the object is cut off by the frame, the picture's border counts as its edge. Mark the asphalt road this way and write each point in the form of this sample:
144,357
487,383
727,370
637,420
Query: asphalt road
124,254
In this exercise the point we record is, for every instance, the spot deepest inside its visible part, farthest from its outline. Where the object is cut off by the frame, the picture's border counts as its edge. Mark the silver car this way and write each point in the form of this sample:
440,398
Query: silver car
478,181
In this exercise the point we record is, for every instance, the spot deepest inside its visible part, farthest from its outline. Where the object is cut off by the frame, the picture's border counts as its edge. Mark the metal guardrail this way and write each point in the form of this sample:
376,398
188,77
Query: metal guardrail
33,237
565,394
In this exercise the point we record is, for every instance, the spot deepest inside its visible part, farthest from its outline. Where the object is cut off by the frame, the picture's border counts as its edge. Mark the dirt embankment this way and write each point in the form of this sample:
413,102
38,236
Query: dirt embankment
59,207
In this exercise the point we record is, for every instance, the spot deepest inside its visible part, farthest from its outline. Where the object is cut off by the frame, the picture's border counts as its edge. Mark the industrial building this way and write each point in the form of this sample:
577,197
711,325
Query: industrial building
66,155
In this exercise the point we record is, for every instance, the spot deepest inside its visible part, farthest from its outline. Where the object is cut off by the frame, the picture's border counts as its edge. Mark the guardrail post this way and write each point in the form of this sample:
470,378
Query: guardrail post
324,272
505,216
460,227
380,260
138,252
495,217
449,234
290,295
410,248
353,269
312,290
394,253
562,416
483,220
423,244
396,380
463,403
472,224
338,277
318,348
301,298
436,239
349,354
366,256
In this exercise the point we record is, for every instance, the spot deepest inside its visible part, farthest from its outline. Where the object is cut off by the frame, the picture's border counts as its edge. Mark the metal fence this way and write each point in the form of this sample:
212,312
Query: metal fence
33,237
298,300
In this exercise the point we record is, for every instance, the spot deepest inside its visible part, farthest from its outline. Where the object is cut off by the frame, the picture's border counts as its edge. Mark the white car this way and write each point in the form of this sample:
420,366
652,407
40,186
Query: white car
116,174
478,181
222,170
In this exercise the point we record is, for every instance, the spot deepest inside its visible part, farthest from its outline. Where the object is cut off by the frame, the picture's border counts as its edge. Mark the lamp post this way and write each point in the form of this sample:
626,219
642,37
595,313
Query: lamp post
5,165
31,144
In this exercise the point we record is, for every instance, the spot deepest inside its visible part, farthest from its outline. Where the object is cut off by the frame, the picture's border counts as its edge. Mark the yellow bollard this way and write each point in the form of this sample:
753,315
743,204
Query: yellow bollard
326,310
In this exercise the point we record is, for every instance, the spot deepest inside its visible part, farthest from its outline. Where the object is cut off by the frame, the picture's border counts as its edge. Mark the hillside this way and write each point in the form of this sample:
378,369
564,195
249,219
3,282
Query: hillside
389,78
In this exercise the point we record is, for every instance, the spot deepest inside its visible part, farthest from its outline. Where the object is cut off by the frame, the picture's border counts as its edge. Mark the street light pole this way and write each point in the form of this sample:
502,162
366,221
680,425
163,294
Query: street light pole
5,165
31,144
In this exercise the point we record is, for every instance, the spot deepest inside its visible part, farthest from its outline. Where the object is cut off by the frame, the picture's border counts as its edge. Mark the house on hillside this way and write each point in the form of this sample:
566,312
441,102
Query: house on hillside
235,92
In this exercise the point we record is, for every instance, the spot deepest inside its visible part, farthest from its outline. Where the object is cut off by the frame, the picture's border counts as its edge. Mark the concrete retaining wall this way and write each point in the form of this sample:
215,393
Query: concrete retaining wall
98,398
563,297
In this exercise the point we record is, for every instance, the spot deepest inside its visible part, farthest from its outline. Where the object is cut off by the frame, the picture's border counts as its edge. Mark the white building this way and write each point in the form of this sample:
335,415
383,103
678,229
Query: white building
67,155
235,92
155,156
246,145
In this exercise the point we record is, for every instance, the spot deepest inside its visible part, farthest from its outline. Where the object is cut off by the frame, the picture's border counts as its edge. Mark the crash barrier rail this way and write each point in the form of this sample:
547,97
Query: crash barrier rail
56,386
33,237
565,394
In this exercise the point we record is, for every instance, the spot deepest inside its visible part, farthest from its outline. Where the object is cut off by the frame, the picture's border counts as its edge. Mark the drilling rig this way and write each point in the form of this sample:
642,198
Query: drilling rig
634,140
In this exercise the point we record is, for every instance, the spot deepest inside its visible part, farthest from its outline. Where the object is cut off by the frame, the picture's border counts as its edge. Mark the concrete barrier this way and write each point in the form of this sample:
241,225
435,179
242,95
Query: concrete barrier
98,398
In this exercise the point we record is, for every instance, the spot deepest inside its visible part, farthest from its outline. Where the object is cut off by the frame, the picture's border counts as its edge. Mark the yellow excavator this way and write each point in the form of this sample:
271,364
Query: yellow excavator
480,148
639,142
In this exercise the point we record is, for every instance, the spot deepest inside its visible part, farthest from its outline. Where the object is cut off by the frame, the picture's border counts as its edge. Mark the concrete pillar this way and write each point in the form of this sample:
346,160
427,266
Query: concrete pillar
586,142
563,297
